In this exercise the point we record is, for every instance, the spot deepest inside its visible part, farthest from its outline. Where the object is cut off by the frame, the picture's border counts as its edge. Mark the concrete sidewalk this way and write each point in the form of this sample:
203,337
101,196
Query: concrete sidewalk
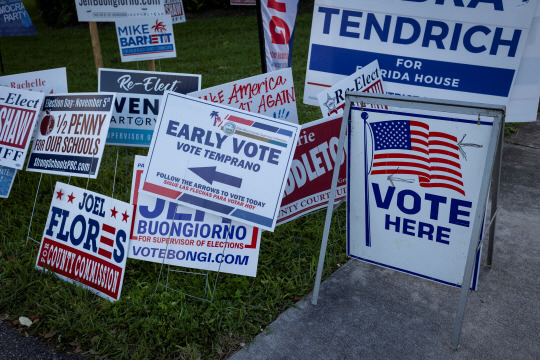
367,312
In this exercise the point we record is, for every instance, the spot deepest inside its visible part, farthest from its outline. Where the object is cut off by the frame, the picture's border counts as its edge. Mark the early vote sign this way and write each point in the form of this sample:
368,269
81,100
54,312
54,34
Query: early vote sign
166,232
86,239
71,134
413,188
221,160
19,110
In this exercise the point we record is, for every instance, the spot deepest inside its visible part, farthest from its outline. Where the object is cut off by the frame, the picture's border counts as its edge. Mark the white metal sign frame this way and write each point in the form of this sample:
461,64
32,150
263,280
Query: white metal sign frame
491,172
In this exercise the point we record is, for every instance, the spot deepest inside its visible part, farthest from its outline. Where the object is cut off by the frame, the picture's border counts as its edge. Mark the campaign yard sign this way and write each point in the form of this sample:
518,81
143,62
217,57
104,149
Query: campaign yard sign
310,178
219,159
165,232
367,79
456,50
7,176
86,240
72,133
243,2
175,8
138,95
413,188
19,110
112,10
14,20
46,81
146,38
270,94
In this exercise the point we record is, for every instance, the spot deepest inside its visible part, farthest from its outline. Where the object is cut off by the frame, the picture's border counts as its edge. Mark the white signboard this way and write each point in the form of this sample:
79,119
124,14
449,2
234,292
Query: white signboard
175,8
367,79
165,232
145,38
46,81
221,160
103,11
270,94
86,239
413,186
467,51
71,134
19,111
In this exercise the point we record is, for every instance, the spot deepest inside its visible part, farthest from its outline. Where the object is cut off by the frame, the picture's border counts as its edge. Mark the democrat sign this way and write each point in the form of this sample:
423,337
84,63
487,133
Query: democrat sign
413,188
456,50
112,10
7,176
14,20
310,178
138,96
46,81
367,79
270,94
145,38
86,239
19,110
221,160
71,134
165,232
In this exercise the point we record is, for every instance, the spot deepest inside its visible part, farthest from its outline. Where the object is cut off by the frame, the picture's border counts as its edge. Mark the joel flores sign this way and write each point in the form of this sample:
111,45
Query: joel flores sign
86,239
458,50
227,162
19,111
413,187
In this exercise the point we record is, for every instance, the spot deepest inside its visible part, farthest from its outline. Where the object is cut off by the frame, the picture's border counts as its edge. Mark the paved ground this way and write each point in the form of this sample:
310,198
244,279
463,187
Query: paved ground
373,313
367,312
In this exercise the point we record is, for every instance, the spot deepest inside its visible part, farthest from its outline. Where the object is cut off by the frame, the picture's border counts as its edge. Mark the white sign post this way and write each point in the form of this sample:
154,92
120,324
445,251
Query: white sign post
219,159
407,173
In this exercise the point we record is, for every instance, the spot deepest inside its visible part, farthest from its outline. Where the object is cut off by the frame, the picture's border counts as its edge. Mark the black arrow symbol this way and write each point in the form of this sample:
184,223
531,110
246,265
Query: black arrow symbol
210,174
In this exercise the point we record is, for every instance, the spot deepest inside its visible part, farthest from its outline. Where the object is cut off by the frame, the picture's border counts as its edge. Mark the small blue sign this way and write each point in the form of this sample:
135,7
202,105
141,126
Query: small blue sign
7,175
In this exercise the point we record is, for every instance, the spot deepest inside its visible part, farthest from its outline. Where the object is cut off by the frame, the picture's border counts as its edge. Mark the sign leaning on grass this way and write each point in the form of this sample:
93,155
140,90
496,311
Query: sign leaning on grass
19,111
108,11
310,178
145,38
165,232
15,21
468,51
138,94
46,81
413,187
86,239
270,94
71,134
219,159
7,176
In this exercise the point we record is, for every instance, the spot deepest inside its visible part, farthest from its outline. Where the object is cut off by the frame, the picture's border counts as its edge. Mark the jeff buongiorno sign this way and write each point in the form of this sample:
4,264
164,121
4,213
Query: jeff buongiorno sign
458,50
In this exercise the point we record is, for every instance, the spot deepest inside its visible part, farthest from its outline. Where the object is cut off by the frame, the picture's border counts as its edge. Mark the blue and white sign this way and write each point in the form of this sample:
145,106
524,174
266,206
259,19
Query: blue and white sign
14,20
7,176
165,232
146,38
138,96
456,50
219,159
413,188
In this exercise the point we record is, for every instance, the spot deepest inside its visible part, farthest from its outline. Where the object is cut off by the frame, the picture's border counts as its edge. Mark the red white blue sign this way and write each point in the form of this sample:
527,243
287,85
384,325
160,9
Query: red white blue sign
220,160
86,240
145,38
413,188
169,233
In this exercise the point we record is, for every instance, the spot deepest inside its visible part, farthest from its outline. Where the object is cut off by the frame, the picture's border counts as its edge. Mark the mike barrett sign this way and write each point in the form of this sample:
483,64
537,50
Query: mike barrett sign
86,240
219,159
71,136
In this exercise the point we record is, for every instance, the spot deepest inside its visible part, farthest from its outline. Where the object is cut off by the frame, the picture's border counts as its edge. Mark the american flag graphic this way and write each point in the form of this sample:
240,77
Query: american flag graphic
410,148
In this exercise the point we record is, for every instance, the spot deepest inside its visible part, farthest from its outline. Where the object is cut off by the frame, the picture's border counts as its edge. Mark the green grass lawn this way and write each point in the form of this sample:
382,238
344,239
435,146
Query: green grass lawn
145,324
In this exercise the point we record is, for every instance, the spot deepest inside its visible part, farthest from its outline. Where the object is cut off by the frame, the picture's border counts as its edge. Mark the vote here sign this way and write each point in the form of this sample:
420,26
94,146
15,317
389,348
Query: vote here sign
19,111
458,50
86,239
71,136
221,160
413,187
166,232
